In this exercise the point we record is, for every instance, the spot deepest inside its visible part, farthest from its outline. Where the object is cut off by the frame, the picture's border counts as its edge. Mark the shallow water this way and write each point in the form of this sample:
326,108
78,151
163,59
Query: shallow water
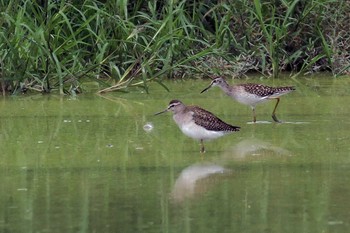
88,164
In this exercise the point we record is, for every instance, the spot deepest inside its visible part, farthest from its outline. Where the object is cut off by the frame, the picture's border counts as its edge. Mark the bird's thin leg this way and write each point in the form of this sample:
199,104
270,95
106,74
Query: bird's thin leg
202,146
254,115
274,111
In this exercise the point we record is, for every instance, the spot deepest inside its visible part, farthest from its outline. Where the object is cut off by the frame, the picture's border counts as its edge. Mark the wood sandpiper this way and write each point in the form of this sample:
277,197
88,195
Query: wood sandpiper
252,94
198,123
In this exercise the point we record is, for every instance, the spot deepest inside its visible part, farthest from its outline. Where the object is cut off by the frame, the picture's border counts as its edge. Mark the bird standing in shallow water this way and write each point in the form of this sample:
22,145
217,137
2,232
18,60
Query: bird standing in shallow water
198,123
251,94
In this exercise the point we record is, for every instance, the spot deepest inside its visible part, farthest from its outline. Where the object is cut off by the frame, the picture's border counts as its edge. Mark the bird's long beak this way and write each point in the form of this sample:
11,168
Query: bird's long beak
207,88
161,112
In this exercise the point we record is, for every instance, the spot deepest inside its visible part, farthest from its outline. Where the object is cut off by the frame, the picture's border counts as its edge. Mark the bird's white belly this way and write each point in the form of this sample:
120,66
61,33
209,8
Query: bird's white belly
197,132
250,99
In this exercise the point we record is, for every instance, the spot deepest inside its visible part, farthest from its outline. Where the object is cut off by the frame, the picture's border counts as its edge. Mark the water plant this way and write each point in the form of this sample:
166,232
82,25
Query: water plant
59,45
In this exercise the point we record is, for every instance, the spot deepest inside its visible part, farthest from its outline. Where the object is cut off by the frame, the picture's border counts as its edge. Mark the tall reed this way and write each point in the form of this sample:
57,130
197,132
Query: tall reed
50,45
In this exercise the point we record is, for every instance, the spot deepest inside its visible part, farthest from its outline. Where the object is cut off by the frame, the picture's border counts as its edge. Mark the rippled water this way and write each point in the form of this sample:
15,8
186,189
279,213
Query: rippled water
106,164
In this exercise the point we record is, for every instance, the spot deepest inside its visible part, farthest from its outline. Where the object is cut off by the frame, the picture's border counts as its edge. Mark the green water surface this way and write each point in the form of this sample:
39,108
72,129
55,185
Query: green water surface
89,164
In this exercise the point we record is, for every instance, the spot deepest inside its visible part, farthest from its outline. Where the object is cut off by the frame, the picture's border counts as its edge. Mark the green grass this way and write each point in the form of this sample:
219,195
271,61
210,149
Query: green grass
57,46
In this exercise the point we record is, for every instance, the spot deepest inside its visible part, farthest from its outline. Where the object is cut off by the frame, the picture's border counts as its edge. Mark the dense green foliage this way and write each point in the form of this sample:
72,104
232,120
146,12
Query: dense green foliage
50,45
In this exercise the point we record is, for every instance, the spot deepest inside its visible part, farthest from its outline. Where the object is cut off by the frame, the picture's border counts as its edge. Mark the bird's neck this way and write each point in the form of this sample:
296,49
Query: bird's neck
182,116
225,87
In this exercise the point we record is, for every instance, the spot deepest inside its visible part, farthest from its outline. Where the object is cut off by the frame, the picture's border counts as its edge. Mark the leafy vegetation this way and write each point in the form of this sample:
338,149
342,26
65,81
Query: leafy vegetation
58,45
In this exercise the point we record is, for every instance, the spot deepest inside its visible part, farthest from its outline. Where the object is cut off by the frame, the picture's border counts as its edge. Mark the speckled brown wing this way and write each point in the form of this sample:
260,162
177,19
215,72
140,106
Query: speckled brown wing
284,89
209,121
262,90
258,89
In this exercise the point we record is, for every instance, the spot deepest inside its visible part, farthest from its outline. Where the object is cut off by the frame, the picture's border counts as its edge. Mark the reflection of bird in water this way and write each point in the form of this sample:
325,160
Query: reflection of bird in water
198,123
252,148
188,184
198,178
